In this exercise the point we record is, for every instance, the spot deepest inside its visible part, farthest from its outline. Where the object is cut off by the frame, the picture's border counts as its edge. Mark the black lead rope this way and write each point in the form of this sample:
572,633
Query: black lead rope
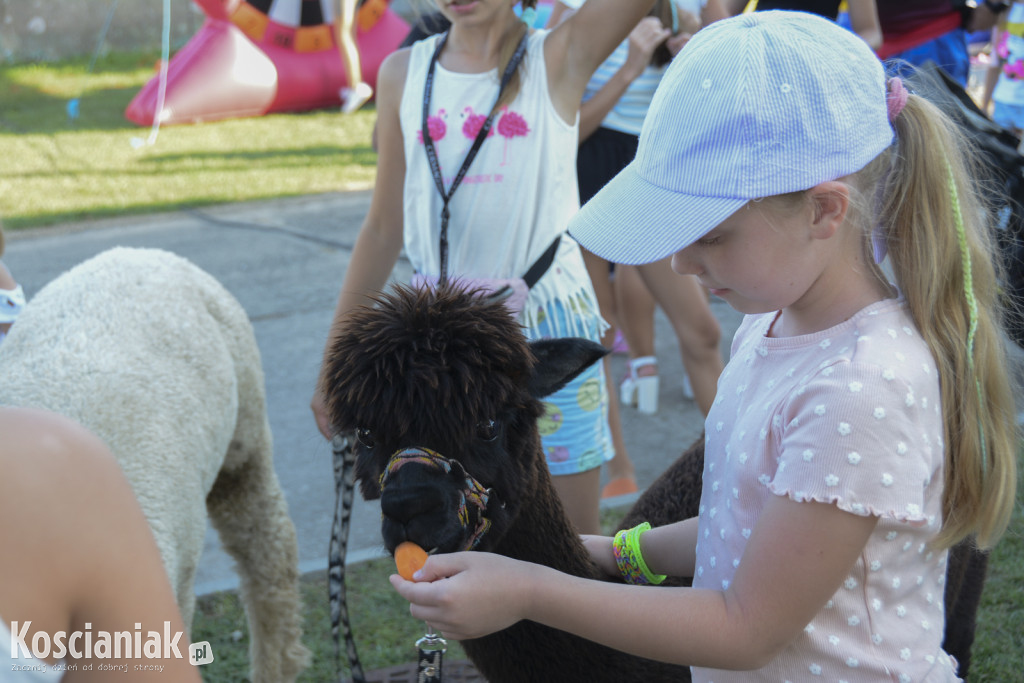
428,143
343,448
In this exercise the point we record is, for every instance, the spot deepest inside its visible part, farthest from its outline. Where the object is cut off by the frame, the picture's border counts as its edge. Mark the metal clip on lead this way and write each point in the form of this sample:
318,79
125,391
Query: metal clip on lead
431,649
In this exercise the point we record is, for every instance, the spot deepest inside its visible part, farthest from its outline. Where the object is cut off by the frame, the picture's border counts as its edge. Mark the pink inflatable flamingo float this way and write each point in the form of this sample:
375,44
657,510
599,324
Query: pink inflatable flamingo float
253,57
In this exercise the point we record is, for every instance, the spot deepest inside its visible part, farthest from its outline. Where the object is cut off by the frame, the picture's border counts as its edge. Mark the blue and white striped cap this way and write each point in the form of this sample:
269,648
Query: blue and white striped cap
755,105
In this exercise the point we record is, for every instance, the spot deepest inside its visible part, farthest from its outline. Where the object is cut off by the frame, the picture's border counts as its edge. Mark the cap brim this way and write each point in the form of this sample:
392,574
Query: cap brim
632,221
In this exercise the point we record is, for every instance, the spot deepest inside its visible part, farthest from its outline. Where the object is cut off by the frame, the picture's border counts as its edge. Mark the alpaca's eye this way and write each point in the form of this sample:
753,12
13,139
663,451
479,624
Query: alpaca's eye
487,430
365,437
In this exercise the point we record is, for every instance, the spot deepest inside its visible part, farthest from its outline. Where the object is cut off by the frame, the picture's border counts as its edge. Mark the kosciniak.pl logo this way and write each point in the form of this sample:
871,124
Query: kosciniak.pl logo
89,644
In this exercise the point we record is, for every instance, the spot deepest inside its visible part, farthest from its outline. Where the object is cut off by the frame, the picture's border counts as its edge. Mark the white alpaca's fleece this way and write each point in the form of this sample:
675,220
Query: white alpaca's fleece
154,356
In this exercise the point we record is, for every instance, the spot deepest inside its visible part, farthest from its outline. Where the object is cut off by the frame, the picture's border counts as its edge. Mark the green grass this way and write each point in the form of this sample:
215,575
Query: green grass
385,634
54,169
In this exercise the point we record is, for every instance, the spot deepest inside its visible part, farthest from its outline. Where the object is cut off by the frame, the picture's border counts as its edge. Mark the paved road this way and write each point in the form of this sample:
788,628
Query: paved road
284,261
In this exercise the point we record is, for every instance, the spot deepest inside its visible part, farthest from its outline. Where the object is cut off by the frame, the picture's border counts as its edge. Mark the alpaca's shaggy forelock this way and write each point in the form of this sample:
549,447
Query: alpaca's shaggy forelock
441,359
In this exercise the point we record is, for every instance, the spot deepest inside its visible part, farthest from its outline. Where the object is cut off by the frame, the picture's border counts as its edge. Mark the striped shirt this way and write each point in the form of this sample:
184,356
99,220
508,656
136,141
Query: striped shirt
627,116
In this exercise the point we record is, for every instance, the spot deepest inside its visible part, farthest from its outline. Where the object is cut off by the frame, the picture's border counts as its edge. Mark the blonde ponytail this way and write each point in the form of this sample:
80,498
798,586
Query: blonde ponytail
945,264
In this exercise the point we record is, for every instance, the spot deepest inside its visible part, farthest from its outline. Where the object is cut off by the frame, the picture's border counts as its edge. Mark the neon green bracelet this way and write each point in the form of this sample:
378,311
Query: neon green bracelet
626,548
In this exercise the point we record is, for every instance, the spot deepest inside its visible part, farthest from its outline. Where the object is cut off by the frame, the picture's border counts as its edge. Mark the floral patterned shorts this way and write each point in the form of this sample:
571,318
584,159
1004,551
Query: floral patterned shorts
574,429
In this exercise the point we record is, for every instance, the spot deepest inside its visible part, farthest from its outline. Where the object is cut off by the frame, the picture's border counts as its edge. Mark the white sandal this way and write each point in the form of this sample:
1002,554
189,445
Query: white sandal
641,392
354,98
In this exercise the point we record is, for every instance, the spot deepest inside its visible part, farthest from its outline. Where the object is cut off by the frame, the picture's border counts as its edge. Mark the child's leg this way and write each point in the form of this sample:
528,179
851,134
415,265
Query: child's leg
580,497
636,308
620,466
356,92
685,303
641,385
600,275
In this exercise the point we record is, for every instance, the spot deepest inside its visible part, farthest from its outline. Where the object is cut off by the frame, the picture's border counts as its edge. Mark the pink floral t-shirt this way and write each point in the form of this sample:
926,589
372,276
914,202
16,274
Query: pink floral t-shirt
850,416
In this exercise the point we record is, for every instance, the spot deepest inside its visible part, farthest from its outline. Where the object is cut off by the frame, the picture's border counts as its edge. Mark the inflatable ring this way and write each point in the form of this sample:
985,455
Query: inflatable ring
253,57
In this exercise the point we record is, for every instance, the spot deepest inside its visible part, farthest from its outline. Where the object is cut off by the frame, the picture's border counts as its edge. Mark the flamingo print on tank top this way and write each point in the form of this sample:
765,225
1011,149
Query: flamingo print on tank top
471,126
511,125
436,126
508,124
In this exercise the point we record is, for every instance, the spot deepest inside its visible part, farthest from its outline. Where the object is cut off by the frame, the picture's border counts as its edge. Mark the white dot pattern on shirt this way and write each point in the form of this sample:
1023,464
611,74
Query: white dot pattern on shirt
770,426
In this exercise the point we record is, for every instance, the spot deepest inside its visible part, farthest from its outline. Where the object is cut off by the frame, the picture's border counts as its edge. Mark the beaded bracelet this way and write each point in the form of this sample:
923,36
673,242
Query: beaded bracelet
626,548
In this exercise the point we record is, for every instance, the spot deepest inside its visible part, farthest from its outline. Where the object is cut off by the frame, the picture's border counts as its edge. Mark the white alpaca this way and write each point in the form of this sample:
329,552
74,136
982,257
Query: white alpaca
159,360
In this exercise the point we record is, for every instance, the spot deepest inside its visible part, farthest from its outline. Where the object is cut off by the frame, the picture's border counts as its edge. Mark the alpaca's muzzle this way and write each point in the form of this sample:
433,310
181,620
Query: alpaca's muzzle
472,511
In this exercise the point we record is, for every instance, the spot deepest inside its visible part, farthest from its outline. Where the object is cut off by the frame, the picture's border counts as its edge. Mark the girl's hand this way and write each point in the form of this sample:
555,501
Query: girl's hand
643,40
470,594
600,549
319,407
677,42
689,24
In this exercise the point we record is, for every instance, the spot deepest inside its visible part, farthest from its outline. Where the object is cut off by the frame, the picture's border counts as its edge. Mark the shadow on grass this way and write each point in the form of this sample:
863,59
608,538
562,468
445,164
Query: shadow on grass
37,105
42,220
45,220
280,158
47,114
214,162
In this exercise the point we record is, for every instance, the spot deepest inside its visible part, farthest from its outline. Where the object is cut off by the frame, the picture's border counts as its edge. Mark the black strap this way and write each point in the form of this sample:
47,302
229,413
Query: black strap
428,143
541,265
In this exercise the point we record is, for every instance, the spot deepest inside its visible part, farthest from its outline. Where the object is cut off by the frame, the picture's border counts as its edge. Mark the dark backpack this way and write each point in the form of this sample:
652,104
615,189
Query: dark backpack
1003,177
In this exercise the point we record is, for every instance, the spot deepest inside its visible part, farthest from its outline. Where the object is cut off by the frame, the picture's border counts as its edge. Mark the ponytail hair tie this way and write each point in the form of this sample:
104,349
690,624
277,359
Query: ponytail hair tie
895,97
529,16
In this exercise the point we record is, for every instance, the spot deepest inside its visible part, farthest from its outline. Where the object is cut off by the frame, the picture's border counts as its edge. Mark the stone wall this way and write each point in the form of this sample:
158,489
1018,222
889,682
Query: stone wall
47,30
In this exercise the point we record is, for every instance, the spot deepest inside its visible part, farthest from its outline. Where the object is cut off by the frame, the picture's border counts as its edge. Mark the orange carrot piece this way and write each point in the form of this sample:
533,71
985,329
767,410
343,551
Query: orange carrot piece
409,557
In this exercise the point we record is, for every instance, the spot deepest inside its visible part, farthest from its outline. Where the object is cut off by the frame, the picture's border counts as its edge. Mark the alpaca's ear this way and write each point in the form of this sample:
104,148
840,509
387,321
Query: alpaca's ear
559,361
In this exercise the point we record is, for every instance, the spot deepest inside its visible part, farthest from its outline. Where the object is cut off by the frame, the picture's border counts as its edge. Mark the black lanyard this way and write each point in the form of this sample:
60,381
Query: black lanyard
428,143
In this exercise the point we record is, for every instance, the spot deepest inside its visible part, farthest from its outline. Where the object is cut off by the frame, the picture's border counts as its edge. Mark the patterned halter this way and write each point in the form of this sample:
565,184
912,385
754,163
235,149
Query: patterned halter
474,497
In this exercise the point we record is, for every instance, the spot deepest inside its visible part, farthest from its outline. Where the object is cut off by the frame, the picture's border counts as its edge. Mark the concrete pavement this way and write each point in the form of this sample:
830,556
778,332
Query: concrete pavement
284,261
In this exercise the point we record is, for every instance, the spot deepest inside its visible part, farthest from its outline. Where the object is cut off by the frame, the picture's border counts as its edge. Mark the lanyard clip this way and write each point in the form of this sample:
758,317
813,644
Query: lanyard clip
431,649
